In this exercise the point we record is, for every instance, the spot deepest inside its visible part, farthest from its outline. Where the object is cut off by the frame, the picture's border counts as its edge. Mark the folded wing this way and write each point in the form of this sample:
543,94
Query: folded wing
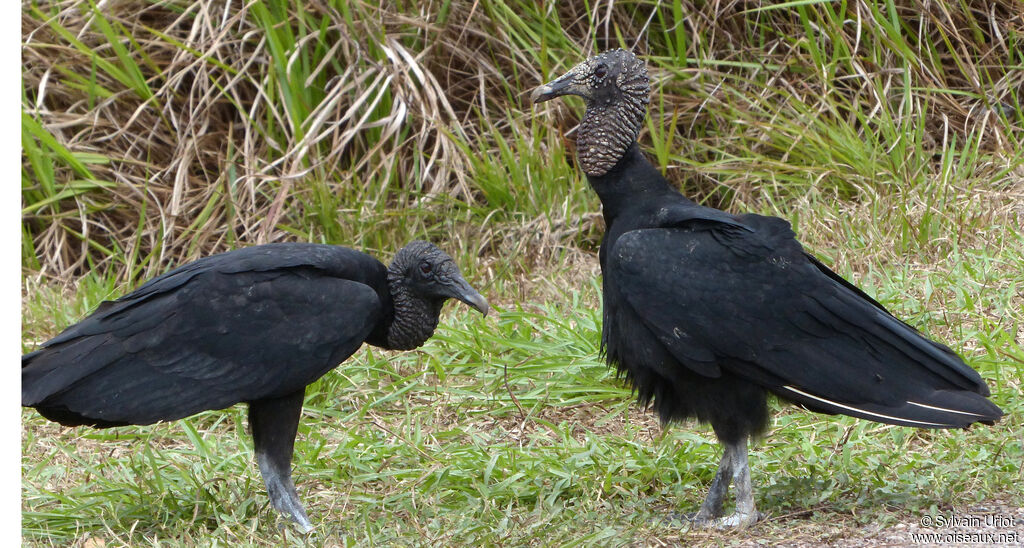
206,336
743,296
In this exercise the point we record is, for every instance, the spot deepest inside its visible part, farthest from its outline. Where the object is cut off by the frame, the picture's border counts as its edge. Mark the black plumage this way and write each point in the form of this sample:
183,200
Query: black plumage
706,313
254,325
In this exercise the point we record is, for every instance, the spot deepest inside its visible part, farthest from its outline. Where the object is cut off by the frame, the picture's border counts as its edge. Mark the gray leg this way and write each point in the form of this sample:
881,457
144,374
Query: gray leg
712,507
735,469
274,423
745,514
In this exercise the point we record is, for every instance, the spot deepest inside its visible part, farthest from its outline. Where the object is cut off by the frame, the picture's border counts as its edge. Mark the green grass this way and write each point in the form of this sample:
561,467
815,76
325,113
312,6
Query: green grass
509,430
888,133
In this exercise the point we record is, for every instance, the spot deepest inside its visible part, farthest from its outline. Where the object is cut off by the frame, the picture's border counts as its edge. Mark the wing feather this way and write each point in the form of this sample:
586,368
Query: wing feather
201,339
767,312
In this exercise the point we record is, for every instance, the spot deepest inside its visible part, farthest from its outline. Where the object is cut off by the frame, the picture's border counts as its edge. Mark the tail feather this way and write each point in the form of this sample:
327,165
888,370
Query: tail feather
939,409
52,369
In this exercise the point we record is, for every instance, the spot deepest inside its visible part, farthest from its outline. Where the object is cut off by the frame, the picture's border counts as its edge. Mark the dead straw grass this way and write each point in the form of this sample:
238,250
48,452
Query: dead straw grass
214,136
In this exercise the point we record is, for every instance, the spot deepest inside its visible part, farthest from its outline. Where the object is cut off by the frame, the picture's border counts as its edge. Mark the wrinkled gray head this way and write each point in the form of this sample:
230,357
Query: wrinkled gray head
615,87
421,278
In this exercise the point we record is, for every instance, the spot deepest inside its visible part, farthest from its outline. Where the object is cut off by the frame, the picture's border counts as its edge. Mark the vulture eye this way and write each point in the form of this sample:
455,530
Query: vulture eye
426,268
601,71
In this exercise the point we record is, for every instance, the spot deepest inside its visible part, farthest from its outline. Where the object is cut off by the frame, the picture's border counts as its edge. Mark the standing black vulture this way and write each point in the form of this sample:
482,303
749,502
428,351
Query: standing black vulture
706,312
253,325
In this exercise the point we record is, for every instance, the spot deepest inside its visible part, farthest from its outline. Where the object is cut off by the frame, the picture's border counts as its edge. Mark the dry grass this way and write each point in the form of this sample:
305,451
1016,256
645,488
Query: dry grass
222,124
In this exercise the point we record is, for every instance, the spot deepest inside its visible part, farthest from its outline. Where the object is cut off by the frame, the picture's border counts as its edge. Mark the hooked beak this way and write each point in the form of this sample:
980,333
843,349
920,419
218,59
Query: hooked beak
563,85
464,292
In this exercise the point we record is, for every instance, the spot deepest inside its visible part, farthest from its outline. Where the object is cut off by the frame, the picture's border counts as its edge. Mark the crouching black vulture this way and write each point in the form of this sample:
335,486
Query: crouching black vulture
706,312
254,325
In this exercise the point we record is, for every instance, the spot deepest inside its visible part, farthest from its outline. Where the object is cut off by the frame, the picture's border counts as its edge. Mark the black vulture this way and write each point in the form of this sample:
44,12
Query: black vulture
706,313
253,325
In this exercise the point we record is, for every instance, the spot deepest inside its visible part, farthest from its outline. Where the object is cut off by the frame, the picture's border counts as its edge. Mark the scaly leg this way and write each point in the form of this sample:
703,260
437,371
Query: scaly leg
274,423
746,514
719,490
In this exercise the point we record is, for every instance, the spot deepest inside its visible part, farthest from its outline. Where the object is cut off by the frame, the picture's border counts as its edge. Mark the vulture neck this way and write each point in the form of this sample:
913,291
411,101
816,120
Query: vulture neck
414,319
632,180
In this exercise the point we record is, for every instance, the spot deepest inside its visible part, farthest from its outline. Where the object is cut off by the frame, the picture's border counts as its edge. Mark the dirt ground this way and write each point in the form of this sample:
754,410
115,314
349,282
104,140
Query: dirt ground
993,523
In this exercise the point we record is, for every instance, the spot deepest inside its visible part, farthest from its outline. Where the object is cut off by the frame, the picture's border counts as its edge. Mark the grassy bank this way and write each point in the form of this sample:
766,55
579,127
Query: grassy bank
154,133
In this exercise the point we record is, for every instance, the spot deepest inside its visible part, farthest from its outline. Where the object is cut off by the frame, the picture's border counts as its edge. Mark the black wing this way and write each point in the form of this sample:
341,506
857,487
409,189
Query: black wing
254,323
742,296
